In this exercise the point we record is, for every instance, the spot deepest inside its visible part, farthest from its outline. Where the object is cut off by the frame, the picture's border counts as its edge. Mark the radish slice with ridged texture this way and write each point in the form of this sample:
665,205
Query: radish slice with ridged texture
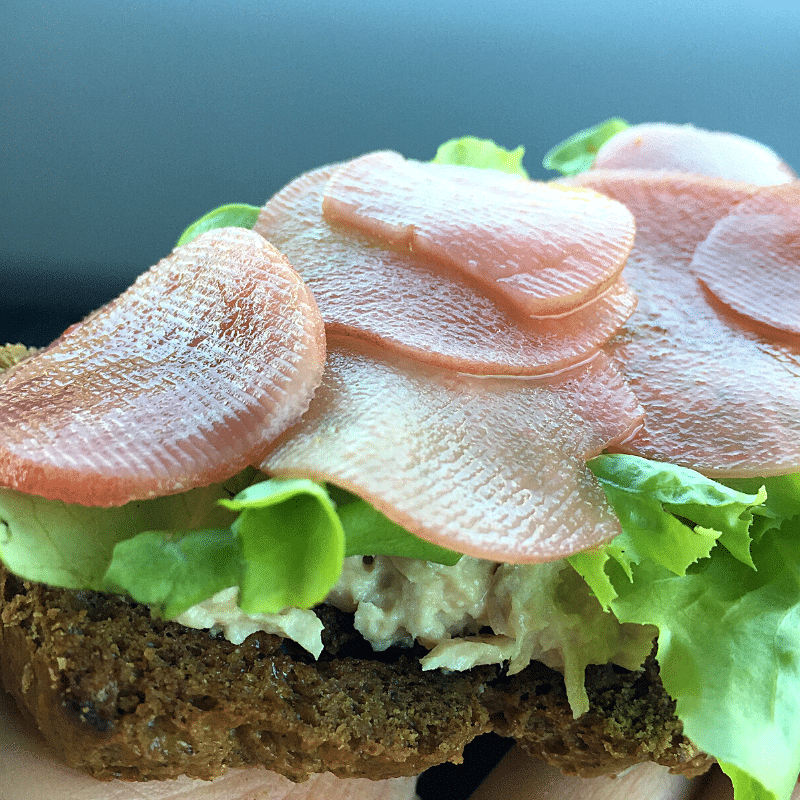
491,467
684,148
718,397
546,249
180,382
419,309
751,260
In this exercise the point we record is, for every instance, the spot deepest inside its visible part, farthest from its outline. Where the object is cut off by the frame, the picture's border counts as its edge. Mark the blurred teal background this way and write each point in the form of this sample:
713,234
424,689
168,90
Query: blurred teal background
123,122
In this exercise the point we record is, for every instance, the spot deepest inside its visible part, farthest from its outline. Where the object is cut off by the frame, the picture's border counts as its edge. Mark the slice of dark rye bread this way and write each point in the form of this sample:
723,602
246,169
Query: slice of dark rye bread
122,694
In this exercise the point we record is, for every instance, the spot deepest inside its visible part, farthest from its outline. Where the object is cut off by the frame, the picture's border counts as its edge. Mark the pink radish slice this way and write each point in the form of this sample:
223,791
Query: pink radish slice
421,310
547,249
751,259
491,467
684,148
180,382
717,397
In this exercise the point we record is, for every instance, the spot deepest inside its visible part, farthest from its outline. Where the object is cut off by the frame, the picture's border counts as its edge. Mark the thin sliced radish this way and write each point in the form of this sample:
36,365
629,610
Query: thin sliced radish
421,310
180,382
664,146
717,397
751,259
545,248
491,467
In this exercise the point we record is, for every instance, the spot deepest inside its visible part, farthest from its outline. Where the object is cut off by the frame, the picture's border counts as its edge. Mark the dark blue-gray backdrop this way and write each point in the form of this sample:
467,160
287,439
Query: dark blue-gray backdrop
122,122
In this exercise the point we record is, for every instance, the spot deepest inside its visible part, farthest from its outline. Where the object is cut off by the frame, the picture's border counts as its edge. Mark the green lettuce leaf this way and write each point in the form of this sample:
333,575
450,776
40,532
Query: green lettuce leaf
370,533
292,544
71,546
577,153
173,572
729,653
469,151
233,215
719,576
783,500
285,548
670,516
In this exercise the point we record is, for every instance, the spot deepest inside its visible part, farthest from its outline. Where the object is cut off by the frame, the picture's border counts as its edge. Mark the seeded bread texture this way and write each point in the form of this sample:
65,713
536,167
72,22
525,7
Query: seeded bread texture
121,694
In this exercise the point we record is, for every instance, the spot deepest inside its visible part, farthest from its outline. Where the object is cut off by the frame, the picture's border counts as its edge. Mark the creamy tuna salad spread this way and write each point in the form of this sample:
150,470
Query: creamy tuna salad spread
474,612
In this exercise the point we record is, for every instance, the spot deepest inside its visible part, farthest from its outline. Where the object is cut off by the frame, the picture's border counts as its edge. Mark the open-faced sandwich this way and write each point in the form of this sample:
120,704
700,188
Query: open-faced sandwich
421,451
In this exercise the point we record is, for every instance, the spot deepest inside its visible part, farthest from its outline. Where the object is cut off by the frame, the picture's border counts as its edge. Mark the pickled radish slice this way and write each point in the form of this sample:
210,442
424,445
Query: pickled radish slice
420,310
717,397
751,259
684,148
491,467
545,248
180,382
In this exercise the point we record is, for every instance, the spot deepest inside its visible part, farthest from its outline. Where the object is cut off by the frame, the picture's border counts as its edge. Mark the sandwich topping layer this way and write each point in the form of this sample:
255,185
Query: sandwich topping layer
435,312
471,403
719,396
493,467
687,149
545,250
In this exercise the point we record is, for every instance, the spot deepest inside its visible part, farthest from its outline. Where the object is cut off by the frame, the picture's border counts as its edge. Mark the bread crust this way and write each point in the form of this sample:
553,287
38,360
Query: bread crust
121,694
